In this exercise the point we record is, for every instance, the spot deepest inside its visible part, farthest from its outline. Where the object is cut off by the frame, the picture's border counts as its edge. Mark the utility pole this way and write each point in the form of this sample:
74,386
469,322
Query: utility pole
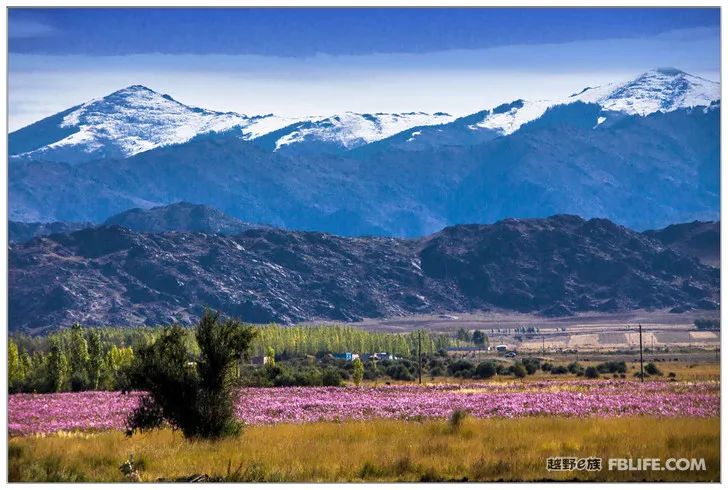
419,352
543,344
642,371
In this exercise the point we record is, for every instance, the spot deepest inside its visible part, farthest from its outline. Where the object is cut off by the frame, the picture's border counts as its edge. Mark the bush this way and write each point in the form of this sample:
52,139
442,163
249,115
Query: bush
371,371
546,367
459,366
651,369
576,368
457,418
331,377
437,371
531,365
399,372
192,394
519,370
559,370
612,367
485,370
591,372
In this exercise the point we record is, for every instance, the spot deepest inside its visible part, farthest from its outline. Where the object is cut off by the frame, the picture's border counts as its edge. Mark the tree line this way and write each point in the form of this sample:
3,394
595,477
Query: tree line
74,359
79,358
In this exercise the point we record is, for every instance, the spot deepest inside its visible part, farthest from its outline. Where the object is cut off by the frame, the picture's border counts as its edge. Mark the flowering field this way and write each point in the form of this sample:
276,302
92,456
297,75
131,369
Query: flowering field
50,413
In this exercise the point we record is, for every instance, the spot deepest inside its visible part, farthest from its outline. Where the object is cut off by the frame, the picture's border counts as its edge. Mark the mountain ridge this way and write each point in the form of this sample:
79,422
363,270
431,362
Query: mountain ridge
555,266
136,119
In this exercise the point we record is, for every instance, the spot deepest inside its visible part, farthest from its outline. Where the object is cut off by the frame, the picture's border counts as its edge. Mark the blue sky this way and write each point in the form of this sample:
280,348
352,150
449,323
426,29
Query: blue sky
319,61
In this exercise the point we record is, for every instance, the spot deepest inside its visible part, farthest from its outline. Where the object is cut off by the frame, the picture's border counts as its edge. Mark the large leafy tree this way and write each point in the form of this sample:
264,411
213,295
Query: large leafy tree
95,359
57,366
193,393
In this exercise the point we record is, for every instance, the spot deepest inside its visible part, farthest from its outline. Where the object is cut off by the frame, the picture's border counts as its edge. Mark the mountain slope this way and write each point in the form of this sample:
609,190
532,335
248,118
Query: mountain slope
22,232
555,266
699,239
643,170
351,130
658,90
181,216
127,122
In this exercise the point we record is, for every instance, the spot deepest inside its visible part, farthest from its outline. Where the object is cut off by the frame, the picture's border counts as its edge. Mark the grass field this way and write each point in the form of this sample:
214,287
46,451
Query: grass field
380,450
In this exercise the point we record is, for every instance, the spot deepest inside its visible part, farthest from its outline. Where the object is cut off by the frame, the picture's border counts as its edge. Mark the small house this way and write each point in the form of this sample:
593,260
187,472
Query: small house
501,348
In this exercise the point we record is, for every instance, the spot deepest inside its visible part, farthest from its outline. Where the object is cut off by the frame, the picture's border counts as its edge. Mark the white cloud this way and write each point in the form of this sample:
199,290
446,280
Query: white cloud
27,28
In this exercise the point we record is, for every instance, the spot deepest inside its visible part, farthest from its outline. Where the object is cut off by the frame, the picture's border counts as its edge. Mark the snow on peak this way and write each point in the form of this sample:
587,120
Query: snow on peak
137,119
658,90
352,129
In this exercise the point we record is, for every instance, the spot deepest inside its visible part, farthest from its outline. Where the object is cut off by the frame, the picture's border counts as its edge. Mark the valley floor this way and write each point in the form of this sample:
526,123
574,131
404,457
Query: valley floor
380,450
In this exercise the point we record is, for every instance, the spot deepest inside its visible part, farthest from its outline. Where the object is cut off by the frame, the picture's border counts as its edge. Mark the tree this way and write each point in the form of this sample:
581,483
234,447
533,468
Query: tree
78,358
270,353
95,359
116,365
591,372
463,335
16,374
478,337
57,366
194,395
358,373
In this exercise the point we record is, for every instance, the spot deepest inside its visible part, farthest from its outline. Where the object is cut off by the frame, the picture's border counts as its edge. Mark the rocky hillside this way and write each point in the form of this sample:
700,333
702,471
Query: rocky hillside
22,232
181,216
554,266
699,239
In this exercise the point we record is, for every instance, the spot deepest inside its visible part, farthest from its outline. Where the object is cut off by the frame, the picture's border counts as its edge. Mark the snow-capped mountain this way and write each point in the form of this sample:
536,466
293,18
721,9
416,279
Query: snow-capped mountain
350,129
658,90
138,119
127,122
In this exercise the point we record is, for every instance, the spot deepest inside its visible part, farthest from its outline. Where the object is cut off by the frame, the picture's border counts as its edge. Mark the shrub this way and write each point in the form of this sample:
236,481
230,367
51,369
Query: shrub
531,365
502,369
575,368
519,370
460,365
192,394
651,369
437,371
559,370
457,418
612,367
546,367
331,377
591,372
485,370
399,372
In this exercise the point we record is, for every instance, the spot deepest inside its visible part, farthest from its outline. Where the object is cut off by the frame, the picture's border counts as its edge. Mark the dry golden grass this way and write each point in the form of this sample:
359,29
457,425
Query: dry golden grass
381,450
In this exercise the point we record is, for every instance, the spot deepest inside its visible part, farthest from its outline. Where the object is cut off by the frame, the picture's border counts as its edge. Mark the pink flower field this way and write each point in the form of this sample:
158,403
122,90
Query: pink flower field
93,411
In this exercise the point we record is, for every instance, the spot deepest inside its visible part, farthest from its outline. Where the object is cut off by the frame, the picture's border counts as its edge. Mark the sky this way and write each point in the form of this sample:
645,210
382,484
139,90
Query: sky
302,62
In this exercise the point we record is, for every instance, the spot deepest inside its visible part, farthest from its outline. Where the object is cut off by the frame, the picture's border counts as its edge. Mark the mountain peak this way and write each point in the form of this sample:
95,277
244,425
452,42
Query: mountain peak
668,71
179,216
134,89
657,90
